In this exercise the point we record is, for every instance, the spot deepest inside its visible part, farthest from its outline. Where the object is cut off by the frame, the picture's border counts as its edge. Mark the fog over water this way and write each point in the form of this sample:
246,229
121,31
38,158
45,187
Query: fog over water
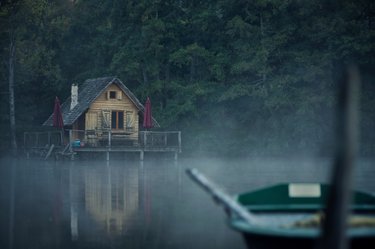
128,204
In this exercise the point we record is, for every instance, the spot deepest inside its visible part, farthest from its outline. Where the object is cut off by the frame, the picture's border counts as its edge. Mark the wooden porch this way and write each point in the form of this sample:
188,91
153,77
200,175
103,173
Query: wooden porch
73,142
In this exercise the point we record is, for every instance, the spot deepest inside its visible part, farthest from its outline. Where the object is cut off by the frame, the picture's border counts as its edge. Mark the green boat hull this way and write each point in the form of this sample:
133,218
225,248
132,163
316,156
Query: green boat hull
254,241
282,206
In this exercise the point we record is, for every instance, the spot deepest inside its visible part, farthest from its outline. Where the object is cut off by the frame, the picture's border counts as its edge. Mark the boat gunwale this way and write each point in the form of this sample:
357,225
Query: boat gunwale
358,208
297,232
290,232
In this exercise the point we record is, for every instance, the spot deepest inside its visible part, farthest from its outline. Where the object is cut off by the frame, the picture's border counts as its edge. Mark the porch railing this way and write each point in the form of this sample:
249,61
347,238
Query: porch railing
160,139
146,139
43,139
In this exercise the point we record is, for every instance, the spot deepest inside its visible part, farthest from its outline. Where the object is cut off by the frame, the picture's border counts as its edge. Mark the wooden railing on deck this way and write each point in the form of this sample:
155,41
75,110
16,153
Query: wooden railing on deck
42,139
146,139
160,139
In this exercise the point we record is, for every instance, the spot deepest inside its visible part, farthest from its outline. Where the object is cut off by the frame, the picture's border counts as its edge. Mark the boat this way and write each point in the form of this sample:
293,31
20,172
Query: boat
293,212
290,215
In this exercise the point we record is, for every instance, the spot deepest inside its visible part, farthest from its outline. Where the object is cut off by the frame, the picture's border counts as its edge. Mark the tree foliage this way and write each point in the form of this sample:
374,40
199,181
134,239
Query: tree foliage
246,77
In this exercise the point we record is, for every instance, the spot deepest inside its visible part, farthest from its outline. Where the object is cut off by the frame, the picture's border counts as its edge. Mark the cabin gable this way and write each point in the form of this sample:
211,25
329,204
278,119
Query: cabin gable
113,110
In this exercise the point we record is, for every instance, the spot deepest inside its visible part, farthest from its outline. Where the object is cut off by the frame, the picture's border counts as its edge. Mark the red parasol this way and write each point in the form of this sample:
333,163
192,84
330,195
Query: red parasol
57,115
147,117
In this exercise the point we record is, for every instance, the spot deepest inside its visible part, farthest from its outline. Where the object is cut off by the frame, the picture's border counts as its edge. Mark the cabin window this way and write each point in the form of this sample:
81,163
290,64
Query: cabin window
112,94
129,121
117,121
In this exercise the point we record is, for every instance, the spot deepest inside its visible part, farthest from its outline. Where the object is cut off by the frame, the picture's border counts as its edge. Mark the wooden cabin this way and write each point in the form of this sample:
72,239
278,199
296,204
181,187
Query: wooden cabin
102,111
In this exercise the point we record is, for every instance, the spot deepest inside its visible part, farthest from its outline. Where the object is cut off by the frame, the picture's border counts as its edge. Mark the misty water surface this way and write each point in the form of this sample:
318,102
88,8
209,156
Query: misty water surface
122,204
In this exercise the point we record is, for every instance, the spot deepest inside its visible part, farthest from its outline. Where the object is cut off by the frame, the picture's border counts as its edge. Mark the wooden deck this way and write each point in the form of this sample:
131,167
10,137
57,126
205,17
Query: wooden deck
73,142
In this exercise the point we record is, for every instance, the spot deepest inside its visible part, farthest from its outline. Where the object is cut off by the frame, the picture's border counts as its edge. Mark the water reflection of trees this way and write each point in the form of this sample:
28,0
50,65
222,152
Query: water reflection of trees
111,196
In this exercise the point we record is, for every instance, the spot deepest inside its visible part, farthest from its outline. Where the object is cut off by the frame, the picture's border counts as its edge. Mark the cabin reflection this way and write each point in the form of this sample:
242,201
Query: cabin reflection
104,201
111,197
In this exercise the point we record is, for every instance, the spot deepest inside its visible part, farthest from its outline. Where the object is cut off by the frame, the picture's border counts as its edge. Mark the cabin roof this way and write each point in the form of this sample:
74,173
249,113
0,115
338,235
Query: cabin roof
87,93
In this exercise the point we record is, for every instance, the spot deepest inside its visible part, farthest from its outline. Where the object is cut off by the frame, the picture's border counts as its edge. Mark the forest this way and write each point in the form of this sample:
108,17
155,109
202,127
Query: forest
237,77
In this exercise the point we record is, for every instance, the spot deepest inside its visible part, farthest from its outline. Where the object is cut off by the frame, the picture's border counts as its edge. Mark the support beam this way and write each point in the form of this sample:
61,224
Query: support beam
145,138
70,141
179,141
109,139
62,137
71,145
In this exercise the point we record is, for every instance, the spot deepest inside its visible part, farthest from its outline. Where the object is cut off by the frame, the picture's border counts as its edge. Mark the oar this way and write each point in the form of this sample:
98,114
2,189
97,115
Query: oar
223,198
334,230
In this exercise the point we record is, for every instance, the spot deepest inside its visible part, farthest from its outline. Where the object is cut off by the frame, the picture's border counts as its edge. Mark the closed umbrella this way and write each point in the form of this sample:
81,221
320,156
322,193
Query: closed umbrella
57,115
147,117
58,121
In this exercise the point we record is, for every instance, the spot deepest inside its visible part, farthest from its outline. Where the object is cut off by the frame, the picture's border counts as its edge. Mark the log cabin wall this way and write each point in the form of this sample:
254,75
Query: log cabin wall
113,101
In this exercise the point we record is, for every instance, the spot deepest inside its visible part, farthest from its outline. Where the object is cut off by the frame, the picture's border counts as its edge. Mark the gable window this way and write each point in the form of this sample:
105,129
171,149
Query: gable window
112,94
117,120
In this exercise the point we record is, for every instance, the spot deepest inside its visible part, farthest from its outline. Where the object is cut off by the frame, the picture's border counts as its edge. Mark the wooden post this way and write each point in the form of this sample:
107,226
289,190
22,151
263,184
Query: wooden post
152,139
335,228
71,145
176,155
70,141
109,139
144,139
179,141
107,155
141,155
62,137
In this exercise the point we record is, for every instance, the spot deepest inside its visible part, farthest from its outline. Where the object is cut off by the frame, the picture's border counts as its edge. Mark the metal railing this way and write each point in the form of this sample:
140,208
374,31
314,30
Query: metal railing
107,138
101,138
160,139
43,139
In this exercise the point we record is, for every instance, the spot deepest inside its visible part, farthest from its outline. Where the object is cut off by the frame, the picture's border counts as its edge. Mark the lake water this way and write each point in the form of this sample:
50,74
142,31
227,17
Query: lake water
128,204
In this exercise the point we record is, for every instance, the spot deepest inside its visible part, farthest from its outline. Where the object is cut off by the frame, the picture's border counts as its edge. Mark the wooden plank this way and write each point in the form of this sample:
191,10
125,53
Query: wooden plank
49,151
